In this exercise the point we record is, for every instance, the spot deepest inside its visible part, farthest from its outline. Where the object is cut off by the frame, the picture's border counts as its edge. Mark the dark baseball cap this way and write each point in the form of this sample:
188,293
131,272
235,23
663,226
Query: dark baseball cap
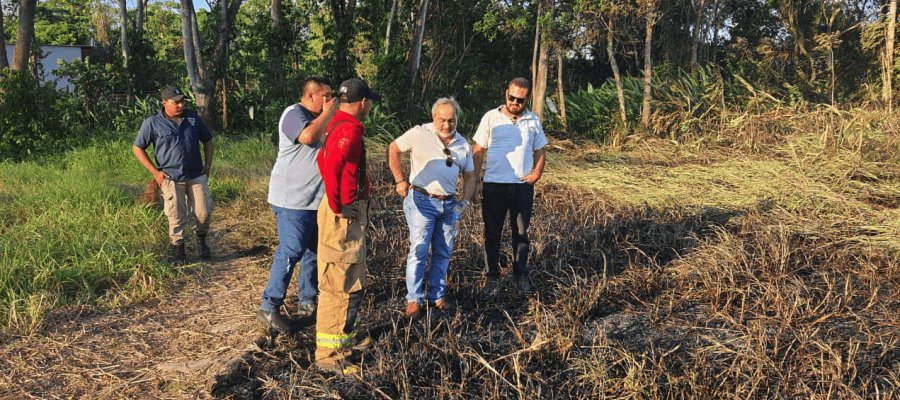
172,92
355,89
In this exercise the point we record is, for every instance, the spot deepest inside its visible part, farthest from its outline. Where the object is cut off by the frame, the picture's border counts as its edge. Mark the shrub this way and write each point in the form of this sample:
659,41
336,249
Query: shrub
34,117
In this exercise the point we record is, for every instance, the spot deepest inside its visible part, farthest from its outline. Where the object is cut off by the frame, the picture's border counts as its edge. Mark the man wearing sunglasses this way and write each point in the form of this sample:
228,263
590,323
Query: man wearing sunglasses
438,154
511,140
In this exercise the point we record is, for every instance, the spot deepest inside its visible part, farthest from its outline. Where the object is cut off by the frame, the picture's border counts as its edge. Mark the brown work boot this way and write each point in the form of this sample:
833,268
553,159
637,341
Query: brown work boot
413,310
338,368
443,305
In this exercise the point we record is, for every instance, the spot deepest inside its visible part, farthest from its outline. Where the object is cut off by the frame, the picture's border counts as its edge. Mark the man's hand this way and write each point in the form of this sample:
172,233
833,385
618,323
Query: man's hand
531,178
330,106
461,206
402,188
160,177
348,211
205,170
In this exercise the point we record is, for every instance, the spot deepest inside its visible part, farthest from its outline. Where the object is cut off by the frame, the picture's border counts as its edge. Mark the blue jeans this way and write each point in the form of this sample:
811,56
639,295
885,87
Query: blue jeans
297,233
430,224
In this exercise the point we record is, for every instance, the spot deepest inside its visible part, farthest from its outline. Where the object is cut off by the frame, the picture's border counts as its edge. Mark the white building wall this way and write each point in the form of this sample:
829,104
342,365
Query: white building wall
50,62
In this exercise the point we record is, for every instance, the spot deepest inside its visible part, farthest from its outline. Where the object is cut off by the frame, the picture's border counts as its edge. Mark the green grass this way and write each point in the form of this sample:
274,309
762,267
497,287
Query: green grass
72,233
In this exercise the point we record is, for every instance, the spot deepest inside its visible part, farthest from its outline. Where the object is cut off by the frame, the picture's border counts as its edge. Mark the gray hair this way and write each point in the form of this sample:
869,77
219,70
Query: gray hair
446,100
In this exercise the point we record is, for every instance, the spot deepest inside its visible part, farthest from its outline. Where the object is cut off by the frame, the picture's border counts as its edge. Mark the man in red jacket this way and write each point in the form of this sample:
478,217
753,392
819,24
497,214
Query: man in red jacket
342,219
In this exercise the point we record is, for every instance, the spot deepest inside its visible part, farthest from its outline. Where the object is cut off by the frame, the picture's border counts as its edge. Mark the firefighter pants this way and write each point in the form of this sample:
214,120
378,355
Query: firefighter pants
342,277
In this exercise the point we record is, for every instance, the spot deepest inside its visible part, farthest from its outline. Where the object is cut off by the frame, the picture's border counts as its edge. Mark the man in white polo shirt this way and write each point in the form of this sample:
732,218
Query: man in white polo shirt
438,154
512,140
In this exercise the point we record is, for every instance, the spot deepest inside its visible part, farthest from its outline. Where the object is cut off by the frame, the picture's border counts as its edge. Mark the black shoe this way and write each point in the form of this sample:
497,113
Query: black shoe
523,285
306,310
204,248
274,320
177,255
491,286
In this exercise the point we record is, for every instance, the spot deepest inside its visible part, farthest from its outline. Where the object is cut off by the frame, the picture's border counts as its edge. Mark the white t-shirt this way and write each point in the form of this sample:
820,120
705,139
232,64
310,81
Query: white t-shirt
428,163
510,145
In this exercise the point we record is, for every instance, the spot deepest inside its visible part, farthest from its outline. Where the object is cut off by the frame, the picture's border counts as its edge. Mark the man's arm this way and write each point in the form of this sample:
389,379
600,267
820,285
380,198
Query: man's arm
468,185
207,156
144,159
538,171
315,129
478,159
402,185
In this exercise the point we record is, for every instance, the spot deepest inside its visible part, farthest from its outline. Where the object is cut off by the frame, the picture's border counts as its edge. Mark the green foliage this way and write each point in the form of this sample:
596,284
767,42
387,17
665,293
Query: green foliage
594,112
62,22
34,117
682,103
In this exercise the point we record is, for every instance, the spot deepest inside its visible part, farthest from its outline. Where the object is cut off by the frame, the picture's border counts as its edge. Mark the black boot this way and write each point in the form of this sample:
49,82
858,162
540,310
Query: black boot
203,247
177,255
274,321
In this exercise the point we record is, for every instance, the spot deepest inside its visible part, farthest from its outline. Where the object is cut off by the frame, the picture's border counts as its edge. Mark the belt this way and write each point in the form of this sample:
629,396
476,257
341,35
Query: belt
433,196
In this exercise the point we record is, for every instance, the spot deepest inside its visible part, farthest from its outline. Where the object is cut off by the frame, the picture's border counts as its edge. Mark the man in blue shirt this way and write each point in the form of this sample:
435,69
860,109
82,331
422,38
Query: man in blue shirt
179,170
295,191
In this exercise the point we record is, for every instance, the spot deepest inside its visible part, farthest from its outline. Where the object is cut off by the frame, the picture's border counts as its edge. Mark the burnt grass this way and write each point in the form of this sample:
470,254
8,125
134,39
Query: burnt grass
634,302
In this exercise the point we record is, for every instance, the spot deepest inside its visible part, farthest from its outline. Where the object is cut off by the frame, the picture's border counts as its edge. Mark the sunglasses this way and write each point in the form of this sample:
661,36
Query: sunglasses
449,160
519,100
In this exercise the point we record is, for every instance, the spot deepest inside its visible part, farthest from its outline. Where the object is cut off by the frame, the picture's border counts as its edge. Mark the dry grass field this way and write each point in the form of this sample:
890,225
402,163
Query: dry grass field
766,266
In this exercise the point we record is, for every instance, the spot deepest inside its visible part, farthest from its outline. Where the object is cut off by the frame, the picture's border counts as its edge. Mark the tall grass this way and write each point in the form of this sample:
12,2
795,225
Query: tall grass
72,232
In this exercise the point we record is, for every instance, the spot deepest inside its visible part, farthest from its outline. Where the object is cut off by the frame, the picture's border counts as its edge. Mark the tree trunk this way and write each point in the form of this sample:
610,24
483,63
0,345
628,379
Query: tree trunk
700,11
559,86
888,65
101,24
537,44
227,14
343,14
224,86
123,39
416,53
198,47
717,23
648,67
199,84
24,36
276,46
139,23
387,33
4,63
539,86
620,93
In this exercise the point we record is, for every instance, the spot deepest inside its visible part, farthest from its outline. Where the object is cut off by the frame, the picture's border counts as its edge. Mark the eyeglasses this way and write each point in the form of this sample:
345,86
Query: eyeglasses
449,160
520,100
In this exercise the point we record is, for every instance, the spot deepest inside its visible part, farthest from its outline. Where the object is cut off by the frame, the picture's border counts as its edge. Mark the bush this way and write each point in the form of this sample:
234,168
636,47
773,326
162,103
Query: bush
34,117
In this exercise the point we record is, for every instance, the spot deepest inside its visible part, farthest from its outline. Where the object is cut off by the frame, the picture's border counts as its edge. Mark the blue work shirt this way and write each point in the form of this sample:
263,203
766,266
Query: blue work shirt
176,149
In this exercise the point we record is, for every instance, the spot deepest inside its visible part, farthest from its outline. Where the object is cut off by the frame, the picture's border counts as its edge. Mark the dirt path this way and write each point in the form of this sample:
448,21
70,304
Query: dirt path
171,347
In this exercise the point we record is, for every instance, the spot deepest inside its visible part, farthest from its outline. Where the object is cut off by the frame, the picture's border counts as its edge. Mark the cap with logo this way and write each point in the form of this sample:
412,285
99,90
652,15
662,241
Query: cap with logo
172,93
355,89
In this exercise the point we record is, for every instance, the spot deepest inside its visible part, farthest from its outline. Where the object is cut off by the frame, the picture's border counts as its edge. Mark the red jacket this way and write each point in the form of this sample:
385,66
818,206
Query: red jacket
339,161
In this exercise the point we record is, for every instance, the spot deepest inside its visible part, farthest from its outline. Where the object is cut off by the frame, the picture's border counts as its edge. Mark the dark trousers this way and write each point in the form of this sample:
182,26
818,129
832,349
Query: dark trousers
498,199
